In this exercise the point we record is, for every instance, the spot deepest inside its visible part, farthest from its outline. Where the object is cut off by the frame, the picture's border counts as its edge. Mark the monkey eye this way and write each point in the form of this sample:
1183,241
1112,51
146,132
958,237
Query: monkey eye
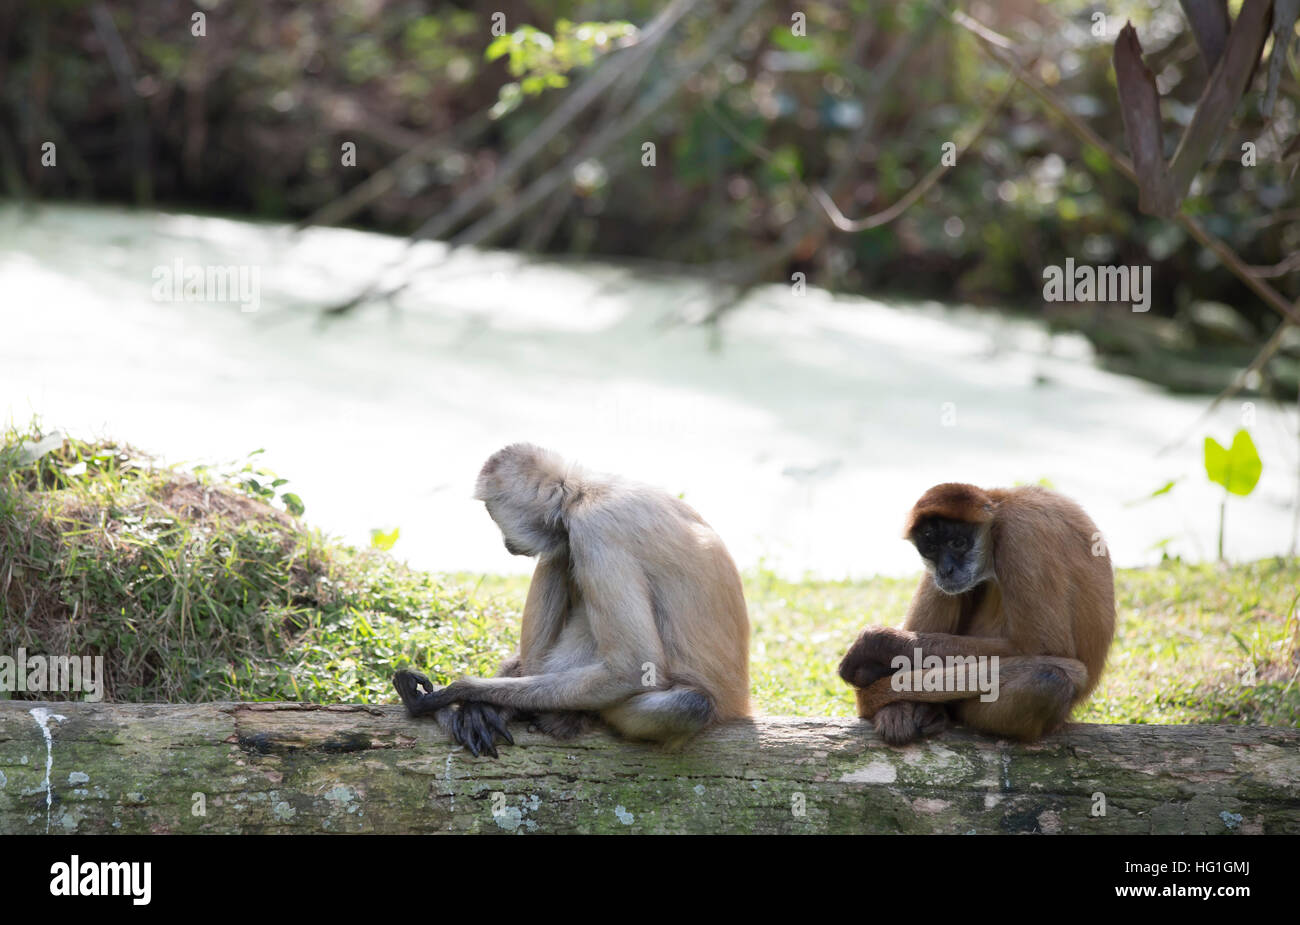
958,543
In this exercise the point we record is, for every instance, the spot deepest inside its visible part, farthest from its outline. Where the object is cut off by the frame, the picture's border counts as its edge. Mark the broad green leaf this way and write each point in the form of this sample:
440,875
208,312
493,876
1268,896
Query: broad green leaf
293,504
1237,468
381,540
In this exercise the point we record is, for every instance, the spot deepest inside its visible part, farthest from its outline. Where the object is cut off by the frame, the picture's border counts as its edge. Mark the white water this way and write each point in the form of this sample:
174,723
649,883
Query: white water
804,441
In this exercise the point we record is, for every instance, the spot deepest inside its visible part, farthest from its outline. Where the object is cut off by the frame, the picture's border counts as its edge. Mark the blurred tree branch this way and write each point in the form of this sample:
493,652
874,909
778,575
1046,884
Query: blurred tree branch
998,47
1162,188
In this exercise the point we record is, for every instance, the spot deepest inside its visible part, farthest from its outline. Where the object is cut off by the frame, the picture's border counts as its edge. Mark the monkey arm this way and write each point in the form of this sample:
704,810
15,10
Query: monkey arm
545,609
588,687
616,593
616,598
874,651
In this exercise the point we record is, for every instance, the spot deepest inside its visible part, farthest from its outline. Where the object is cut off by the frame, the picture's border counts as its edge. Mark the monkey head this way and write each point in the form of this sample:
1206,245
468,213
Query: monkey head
525,489
950,526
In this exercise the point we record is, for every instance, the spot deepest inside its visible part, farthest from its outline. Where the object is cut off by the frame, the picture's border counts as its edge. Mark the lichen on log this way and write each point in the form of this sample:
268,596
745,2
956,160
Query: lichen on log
302,768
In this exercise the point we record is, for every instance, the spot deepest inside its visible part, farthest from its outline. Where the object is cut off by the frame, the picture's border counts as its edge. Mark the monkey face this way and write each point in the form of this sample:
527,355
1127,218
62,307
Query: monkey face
953,552
522,532
522,487
517,530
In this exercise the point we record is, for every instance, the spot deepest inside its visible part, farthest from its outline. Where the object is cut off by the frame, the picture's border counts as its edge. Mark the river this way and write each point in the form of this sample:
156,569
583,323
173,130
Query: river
803,434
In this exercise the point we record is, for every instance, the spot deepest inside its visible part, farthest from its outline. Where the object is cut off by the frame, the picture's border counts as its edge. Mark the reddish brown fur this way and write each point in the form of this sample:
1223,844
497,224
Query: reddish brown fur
953,500
1048,613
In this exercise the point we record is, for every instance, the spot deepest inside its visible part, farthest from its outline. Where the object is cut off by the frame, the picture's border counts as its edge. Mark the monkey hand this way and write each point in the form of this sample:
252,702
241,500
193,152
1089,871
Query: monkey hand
476,726
905,721
417,692
869,658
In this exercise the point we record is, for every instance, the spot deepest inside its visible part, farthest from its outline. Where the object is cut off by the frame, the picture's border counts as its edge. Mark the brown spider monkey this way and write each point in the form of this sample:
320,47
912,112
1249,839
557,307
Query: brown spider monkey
1020,573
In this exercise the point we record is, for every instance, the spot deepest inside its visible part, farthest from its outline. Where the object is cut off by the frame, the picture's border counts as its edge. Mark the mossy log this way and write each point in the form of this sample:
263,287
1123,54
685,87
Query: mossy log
283,767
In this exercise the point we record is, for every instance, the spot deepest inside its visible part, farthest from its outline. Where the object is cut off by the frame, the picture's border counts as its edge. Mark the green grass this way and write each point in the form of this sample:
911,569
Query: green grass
201,585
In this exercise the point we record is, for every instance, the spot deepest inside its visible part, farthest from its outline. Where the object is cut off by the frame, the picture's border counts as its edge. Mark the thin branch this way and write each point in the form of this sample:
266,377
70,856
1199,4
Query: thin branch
381,181
745,275
574,105
124,73
885,216
494,222
1281,268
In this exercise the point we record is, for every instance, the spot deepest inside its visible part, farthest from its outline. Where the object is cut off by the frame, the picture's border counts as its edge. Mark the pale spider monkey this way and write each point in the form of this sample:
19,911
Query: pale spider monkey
1020,573
635,613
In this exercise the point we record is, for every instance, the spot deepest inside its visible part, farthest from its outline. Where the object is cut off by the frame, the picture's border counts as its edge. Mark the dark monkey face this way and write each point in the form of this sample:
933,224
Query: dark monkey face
954,553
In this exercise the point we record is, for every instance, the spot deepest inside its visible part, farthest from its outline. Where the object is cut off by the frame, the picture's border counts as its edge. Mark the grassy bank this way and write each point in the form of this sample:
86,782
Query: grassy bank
204,584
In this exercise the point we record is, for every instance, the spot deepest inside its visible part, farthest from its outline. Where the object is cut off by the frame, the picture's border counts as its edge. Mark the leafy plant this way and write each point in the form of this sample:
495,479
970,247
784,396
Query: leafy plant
256,481
1236,468
542,62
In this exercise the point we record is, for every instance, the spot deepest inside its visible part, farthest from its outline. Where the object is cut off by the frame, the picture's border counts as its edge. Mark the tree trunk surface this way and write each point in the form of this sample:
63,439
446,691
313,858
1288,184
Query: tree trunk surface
285,767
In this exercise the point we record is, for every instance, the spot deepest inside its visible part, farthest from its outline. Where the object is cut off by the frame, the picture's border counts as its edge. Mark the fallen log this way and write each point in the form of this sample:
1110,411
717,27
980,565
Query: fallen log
284,767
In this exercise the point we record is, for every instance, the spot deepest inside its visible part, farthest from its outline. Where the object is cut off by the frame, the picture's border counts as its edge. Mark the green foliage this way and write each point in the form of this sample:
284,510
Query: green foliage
384,541
193,587
256,481
1237,468
199,590
542,62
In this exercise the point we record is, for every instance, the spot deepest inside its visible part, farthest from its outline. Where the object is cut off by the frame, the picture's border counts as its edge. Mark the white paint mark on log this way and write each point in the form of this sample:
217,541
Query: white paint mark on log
43,717
78,777
624,816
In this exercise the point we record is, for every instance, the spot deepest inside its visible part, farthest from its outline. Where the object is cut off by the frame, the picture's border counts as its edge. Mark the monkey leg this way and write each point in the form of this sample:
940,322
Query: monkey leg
563,724
1035,694
1033,697
670,716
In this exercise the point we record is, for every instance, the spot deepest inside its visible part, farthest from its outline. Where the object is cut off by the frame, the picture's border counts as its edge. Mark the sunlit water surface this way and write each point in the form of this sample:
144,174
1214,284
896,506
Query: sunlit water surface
803,439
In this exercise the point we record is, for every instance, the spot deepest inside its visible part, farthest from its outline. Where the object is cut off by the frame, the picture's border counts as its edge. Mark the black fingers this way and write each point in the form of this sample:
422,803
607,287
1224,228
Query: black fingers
476,725
461,731
415,690
499,724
